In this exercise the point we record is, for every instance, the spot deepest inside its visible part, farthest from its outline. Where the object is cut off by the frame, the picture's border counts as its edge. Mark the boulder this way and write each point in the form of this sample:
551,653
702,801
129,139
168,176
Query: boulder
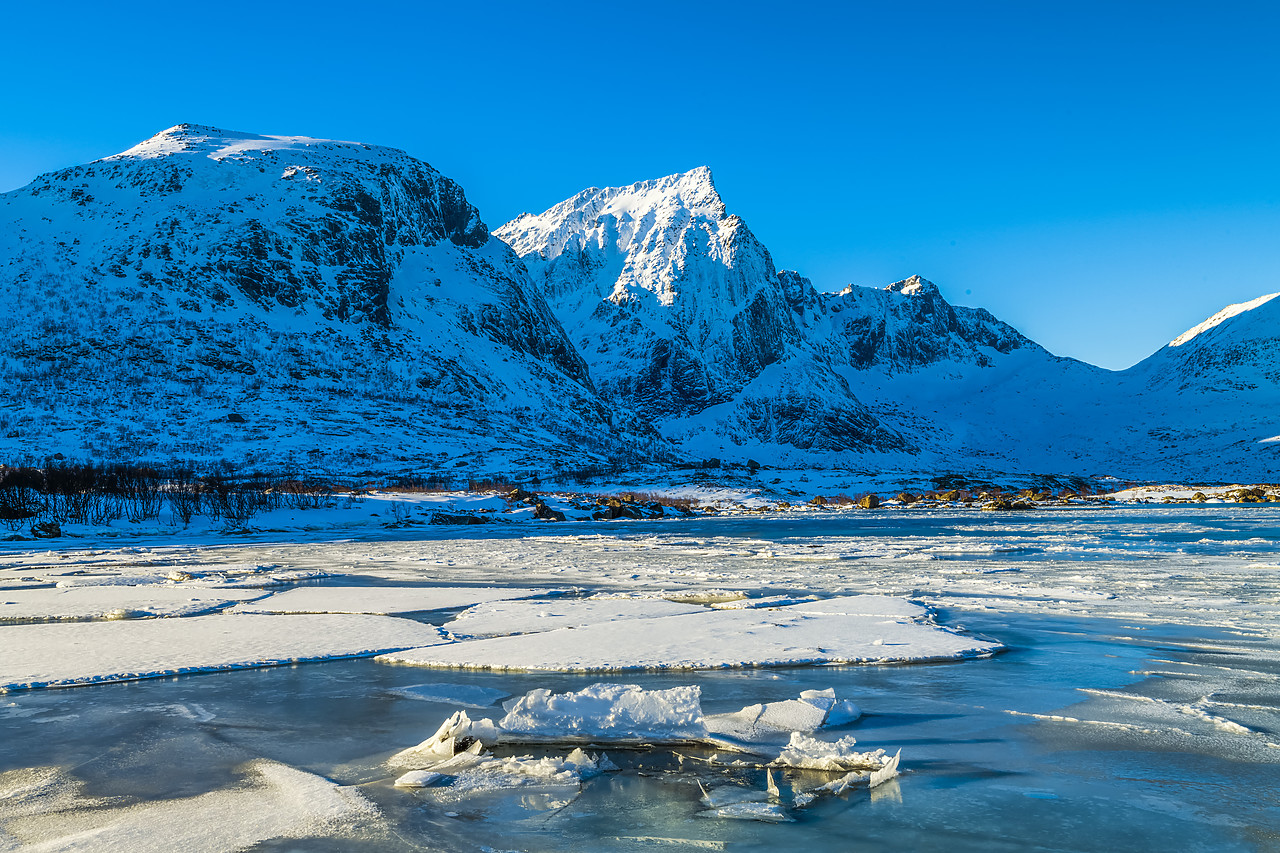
546,513
869,501
456,518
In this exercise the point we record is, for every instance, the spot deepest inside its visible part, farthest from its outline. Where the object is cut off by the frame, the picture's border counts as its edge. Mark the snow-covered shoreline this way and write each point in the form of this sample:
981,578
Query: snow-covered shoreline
362,511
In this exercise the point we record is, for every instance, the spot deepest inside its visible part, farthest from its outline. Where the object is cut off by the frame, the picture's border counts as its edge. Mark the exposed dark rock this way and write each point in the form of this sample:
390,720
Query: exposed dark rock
460,518
545,513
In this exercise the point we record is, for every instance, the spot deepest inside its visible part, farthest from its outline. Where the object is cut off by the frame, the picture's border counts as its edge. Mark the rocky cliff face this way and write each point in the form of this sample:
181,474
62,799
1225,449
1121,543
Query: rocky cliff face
908,325
346,299
672,301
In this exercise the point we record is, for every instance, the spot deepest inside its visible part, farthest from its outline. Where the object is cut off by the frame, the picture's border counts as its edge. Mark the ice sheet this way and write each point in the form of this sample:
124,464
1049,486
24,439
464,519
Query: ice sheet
60,654
468,695
524,617
380,599
113,602
277,802
710,640
813,710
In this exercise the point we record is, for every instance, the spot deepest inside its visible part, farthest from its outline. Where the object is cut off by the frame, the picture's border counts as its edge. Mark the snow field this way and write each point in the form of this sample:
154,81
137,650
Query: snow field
712,639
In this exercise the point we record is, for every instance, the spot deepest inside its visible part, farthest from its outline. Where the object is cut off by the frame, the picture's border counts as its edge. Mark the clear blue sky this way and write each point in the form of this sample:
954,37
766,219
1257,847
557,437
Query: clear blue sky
1100,175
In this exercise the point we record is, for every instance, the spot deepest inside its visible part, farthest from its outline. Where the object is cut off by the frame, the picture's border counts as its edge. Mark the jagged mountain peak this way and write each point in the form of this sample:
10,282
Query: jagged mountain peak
913,286
617,214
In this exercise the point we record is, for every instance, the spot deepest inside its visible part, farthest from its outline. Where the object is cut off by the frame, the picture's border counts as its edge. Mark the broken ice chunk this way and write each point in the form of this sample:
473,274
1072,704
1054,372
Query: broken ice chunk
769,812
417,779
813,710
457,734
616,711
812,754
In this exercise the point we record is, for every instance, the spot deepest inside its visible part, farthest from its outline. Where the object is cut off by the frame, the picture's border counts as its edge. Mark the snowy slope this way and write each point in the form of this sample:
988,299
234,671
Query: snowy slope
1209,402
343,299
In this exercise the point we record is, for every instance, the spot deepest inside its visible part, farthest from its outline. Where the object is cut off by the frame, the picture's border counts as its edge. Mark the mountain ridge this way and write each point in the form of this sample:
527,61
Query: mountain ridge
351,308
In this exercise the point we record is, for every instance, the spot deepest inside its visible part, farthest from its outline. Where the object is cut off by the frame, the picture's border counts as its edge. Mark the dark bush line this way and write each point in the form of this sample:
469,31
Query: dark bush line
63,492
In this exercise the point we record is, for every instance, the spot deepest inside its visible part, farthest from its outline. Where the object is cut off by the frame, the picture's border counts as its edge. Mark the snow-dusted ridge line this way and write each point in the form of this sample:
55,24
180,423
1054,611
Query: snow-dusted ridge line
1221,317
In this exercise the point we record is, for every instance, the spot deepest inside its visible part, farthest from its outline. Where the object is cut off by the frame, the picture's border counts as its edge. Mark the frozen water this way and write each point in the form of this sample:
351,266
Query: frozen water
113,602
1134,707
277,801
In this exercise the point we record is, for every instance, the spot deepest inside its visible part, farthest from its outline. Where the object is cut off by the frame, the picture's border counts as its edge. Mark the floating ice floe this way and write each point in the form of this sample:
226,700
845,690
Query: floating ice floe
525,617
381,600
112,602
714,639
813,710
62,654
228,576
467,695
886,606
456,757
767,601
738,802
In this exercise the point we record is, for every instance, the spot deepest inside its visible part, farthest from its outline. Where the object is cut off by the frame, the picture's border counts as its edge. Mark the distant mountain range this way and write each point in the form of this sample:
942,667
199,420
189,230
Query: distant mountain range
290,302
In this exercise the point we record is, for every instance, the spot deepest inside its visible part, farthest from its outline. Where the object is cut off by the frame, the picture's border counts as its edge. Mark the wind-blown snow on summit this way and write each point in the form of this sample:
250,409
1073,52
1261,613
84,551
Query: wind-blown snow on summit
344,299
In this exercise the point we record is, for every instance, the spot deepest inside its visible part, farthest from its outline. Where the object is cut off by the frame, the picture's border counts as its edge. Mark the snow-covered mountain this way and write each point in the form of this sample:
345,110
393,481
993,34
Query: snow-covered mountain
678,310
343,300
679,313
281,301
688,295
